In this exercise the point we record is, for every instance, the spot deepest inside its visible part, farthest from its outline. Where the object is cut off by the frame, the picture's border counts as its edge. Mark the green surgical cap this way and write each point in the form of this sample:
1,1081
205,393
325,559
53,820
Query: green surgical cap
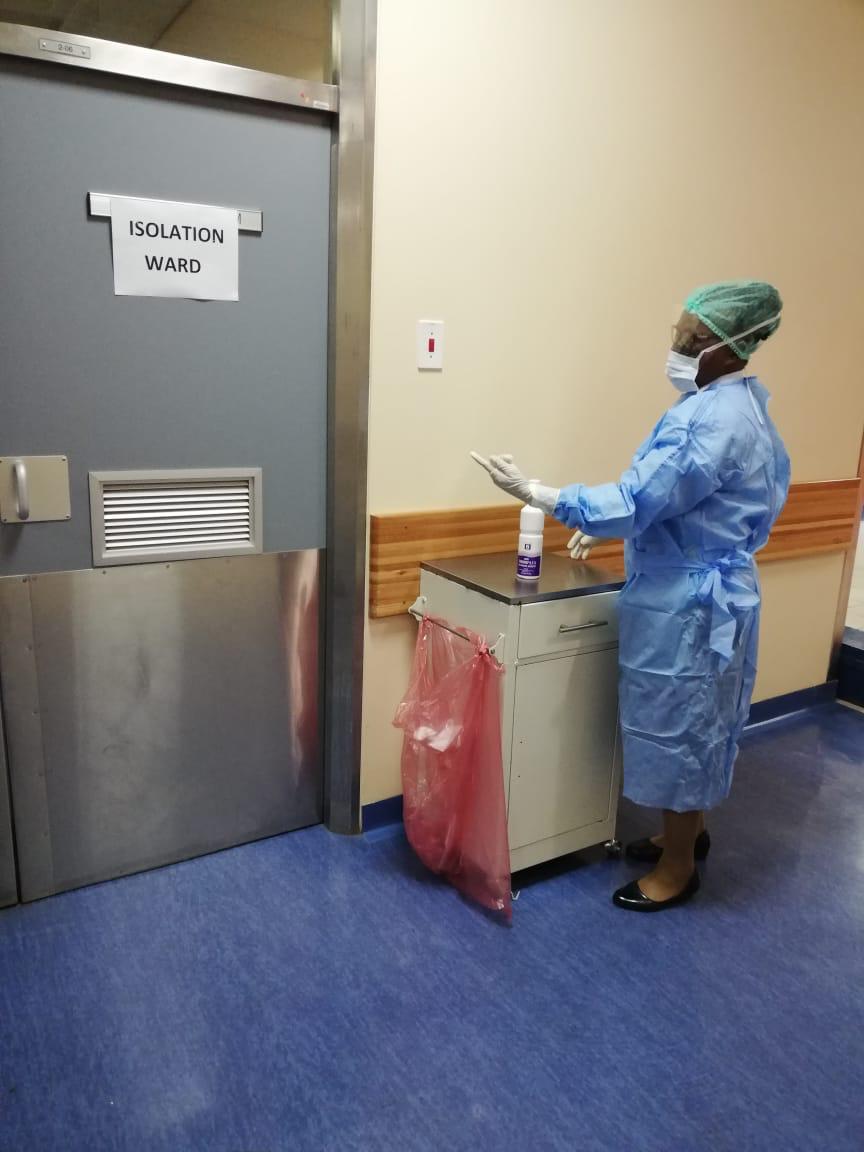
734,306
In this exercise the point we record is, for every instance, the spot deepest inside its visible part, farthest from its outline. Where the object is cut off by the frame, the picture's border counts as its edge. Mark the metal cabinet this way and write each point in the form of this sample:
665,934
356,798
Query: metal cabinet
558,643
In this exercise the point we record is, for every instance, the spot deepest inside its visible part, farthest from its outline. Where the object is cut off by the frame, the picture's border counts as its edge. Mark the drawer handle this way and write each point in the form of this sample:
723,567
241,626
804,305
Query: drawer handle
565,629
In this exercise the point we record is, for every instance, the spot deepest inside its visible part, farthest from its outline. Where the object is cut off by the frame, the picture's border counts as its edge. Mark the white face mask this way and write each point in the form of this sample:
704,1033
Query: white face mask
682,370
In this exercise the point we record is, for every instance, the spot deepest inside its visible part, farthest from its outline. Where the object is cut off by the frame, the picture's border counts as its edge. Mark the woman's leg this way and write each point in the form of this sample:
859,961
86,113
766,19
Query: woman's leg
675,866
659,840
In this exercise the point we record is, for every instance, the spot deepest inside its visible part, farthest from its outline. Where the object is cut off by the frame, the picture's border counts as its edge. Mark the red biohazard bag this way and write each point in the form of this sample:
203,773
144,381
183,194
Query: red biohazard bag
452,781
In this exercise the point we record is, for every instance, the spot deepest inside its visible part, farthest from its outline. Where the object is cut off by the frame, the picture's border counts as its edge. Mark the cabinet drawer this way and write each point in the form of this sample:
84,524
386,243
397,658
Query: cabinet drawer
568,625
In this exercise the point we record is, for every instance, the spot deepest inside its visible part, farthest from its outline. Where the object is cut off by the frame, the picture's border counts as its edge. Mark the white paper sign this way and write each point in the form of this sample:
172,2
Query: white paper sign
179,250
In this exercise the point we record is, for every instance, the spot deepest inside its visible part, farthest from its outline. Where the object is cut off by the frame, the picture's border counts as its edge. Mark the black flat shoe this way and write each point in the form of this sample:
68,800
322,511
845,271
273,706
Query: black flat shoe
634,899
647,853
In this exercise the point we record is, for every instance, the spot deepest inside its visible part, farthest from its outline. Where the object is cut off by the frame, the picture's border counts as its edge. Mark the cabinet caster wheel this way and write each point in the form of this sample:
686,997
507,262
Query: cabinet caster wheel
614,849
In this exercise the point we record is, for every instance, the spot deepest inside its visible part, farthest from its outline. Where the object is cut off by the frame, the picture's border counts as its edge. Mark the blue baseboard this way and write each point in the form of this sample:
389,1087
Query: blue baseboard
779,706
385,817
851,667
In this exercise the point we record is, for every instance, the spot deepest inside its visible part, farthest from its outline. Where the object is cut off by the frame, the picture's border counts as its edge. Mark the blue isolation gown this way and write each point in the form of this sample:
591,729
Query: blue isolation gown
700,498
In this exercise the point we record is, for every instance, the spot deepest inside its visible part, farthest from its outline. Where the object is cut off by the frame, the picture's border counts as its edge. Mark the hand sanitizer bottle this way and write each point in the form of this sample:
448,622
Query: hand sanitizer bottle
530,555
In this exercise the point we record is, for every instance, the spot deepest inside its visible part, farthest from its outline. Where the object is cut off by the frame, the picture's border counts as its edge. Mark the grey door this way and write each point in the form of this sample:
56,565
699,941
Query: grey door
158,710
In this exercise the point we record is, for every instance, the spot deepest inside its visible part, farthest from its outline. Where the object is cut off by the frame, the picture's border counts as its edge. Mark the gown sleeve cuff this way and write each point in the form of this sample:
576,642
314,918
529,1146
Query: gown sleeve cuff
568,506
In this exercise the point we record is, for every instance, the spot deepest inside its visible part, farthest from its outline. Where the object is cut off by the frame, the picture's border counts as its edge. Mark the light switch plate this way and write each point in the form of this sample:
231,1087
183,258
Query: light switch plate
430,345
39,486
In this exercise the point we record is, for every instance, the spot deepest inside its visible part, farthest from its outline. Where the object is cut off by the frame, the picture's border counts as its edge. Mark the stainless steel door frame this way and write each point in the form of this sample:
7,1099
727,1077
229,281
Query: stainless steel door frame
354,46
120,59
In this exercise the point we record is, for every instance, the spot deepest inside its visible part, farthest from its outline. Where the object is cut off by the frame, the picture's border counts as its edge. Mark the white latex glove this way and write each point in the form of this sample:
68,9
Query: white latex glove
580,545
506,475
510,478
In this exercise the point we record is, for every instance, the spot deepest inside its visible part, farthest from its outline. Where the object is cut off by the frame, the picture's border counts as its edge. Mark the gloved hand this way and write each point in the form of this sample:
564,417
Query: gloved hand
580,545
510,478
506,475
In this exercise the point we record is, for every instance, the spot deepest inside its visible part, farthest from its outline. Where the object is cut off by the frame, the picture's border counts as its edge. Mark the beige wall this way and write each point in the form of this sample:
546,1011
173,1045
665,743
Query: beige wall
550,180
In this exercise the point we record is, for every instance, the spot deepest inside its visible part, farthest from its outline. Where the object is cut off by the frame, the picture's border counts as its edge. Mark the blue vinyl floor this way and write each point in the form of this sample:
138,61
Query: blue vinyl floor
317,993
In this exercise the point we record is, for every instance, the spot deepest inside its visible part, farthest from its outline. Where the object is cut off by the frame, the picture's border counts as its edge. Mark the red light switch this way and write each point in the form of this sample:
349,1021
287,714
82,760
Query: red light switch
430,345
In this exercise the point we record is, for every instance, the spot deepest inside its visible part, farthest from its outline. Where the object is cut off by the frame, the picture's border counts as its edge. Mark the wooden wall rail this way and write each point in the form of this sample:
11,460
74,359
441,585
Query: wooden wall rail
818,518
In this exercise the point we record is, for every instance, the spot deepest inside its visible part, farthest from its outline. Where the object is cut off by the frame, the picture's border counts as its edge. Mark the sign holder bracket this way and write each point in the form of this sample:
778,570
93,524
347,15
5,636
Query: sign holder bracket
99,205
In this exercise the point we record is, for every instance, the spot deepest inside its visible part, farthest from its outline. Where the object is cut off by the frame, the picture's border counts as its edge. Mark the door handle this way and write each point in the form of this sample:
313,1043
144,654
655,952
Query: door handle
565,629
22,492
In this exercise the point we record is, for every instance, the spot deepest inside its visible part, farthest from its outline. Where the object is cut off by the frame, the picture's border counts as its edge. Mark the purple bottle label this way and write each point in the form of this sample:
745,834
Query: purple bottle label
528,567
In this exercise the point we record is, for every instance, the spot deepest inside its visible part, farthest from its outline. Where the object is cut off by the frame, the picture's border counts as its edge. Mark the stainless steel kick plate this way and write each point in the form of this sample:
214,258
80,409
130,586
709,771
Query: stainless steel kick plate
34,489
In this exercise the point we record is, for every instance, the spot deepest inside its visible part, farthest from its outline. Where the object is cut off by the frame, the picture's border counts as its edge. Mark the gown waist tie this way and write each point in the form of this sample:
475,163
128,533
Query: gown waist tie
719,588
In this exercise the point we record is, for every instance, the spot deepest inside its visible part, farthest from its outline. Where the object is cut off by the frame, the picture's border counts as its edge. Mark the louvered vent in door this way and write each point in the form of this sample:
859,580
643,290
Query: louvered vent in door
175,515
